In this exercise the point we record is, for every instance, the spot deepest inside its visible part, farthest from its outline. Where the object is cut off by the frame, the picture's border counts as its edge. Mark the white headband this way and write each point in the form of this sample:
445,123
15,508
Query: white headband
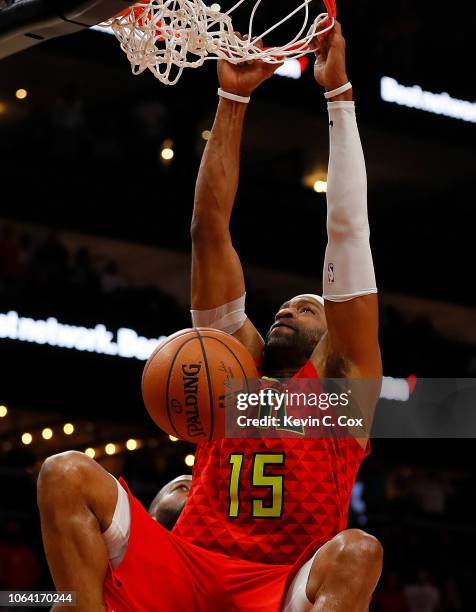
310,296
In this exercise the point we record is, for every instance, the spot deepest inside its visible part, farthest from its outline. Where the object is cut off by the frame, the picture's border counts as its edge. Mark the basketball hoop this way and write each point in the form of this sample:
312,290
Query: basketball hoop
166,36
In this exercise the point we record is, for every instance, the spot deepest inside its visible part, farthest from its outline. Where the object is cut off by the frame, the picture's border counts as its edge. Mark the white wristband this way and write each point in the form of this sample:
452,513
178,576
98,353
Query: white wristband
338,91
234,97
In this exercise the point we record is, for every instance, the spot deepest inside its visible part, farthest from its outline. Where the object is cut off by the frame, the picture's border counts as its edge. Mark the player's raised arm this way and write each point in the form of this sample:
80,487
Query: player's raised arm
218,288
349,285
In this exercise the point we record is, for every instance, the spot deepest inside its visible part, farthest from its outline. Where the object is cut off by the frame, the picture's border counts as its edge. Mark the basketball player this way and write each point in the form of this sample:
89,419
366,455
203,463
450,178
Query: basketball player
170,501
264,525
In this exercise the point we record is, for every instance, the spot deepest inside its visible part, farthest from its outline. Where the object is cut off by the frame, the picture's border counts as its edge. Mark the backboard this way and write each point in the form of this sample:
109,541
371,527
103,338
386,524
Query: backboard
24,23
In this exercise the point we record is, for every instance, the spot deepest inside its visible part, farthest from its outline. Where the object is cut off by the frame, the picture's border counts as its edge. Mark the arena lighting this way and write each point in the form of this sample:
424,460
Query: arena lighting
103,29
206,134
3,411
131,444
398,389
415,97
320,186
293,68
27,438
357,504
167,154
47,433
110,449
21,94
93,340
172,438
68,428
90,452
189,460
167,151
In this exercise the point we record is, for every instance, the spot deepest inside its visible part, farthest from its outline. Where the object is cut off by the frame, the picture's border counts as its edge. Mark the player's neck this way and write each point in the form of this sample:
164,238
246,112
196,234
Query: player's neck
283,363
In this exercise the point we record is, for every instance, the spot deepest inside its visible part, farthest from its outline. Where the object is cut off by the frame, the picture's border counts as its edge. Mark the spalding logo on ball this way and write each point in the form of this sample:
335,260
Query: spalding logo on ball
185,381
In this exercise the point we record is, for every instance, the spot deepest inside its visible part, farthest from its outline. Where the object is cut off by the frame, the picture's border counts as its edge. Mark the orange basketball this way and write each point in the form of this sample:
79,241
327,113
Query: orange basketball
185,380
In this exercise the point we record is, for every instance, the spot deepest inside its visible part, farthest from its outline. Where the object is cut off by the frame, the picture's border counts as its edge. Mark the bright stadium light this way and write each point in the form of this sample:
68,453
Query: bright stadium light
415,97
21,94
27,438
206,134
90,452
172,438
292,68
68,428
3,411
125,342
189,460
320,186
167,153
131,444
47,433
110,449
103,29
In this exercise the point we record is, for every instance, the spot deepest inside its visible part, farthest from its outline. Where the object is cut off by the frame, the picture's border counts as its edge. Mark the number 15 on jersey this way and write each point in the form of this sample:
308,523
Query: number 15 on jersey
259,478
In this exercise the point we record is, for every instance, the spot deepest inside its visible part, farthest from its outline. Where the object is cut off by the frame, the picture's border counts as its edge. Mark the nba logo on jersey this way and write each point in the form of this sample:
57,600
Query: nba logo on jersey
330,273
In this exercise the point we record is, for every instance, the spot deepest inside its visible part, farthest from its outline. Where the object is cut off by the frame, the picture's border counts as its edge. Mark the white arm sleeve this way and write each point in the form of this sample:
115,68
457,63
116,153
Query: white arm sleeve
228,318
348,266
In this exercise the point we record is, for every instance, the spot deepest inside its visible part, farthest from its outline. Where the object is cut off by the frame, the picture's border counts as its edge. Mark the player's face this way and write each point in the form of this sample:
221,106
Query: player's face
171,501
298,326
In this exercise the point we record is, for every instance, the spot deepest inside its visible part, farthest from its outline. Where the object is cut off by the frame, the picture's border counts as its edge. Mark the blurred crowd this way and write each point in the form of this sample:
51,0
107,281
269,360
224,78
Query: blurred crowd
40,276
422,593
37,269
423,518
65,129
42,261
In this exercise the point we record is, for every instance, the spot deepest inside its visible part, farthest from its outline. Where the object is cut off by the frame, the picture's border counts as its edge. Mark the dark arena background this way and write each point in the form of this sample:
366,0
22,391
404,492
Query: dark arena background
97,184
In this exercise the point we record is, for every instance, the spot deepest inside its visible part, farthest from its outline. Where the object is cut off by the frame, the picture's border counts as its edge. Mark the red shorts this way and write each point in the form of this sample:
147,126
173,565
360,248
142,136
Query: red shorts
161,572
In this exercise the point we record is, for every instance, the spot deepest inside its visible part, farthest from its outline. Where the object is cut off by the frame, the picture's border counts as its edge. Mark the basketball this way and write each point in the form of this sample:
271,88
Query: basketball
184,382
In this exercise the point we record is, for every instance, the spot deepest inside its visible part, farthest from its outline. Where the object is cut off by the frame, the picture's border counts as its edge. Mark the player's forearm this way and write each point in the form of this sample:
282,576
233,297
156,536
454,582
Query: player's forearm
217,180
347,175
348,265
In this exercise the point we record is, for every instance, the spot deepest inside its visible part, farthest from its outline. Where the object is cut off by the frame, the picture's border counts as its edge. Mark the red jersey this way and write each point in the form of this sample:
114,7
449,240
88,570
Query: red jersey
270,500
162,572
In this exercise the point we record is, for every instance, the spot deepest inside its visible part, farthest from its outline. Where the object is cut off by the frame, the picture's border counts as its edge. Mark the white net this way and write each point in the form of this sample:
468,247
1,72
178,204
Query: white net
166,36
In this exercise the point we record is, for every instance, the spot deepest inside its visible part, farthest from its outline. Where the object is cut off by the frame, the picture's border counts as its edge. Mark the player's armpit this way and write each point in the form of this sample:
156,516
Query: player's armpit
350,350
353,335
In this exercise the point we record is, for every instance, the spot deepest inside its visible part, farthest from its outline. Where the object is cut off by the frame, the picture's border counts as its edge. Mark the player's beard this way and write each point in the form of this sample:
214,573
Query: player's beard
289,351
